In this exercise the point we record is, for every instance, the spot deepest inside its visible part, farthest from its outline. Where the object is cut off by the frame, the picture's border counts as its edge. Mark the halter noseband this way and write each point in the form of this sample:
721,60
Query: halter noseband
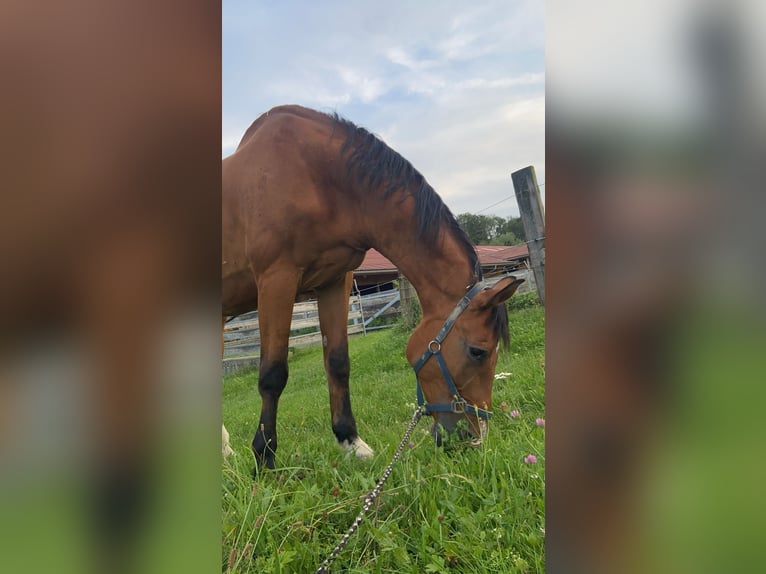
458,403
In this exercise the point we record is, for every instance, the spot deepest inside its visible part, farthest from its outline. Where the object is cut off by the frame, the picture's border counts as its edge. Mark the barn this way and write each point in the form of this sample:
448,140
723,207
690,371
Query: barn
377,274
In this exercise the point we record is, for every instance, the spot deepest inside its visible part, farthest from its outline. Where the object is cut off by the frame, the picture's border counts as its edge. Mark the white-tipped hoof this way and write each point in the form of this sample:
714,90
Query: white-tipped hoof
225,448
360,448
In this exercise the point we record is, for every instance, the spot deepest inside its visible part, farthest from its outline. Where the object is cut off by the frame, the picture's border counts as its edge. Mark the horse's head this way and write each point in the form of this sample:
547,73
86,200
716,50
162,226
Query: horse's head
462,347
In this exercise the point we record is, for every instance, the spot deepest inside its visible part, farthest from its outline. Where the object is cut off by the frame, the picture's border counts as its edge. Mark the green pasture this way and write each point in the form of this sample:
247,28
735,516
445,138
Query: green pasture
448,509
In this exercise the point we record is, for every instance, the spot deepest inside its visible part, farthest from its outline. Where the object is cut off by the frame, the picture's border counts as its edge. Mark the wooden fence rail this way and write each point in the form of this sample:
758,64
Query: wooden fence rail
242,334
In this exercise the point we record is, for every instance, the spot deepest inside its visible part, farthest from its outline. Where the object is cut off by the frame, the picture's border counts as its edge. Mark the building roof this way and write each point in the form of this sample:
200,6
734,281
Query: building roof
489,255
374,261
493,254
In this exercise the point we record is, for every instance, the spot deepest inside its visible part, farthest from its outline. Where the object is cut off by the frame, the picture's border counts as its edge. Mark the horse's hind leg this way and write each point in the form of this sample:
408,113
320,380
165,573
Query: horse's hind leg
225,446
276,294
333,321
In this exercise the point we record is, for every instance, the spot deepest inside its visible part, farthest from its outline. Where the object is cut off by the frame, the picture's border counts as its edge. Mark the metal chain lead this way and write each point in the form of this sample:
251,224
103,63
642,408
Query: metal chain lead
371,496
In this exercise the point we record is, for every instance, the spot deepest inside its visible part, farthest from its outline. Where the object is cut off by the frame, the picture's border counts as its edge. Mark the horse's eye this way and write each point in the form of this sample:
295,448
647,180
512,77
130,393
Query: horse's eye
477,353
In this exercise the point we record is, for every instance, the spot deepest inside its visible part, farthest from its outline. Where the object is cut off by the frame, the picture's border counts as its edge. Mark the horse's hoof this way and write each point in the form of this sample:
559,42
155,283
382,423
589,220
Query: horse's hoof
262,466
360,448
263,462
226,447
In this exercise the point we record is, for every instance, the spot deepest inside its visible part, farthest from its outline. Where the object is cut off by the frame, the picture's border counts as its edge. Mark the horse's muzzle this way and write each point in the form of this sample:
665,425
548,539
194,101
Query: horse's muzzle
447,422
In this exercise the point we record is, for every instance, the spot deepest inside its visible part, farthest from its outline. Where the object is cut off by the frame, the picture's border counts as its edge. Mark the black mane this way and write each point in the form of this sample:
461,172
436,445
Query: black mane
373,163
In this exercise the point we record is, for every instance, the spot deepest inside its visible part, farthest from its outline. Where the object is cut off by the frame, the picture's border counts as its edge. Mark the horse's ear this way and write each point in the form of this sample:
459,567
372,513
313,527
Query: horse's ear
500,292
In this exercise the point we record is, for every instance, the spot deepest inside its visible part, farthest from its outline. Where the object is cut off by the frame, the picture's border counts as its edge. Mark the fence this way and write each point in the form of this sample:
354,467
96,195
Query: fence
529,280
242,335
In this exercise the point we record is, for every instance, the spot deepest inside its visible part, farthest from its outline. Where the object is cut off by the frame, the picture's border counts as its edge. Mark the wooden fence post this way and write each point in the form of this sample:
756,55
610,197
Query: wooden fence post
409,302
533,218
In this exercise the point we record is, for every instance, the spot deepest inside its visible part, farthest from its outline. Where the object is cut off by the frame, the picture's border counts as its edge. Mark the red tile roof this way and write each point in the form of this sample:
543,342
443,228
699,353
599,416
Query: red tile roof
491,254
488,255
374,261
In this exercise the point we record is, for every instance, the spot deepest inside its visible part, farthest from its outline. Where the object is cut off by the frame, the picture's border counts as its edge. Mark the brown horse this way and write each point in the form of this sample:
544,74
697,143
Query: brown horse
305,195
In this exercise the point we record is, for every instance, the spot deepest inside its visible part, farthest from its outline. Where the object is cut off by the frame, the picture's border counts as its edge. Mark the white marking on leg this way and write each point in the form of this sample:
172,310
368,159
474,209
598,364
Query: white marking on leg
226,448
360,448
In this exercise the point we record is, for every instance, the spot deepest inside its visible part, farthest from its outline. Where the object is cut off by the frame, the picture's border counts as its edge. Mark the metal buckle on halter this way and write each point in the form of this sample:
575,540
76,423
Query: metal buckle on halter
434,346
458,406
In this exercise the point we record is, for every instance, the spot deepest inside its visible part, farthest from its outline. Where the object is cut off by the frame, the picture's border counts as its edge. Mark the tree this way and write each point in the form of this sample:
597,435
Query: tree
476,227
514,225
491,229
507,238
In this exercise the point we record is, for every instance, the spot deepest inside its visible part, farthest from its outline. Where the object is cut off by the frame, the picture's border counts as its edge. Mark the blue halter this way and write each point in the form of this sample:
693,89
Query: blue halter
458,403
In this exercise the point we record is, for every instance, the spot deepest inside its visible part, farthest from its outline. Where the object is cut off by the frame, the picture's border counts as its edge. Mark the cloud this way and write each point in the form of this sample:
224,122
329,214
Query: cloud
457,89
361,85
468,151
528,79
398,55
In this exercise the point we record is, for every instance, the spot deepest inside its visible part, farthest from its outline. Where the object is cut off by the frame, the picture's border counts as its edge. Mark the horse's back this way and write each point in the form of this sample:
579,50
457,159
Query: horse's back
277,115
276,180
280,205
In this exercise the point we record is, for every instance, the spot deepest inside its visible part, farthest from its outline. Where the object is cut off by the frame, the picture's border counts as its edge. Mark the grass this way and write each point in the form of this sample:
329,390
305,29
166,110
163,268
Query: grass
454,509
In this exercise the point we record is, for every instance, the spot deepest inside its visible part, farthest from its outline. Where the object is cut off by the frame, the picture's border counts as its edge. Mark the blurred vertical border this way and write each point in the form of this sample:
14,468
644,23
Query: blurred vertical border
109,296
655,311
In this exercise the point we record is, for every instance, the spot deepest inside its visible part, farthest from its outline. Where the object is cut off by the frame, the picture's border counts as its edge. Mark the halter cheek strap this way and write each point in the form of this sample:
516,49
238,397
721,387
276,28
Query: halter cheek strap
458,403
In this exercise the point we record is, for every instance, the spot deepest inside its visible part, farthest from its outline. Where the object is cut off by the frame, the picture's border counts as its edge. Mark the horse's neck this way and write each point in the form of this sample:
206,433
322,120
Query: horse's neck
439,275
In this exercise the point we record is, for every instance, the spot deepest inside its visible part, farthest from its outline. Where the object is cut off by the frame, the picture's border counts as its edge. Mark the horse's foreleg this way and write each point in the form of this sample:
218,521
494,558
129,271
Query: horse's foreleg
276,294
271,382
333,320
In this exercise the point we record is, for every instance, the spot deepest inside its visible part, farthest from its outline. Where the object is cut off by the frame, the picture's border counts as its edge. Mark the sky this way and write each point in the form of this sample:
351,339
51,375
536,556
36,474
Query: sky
455,87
